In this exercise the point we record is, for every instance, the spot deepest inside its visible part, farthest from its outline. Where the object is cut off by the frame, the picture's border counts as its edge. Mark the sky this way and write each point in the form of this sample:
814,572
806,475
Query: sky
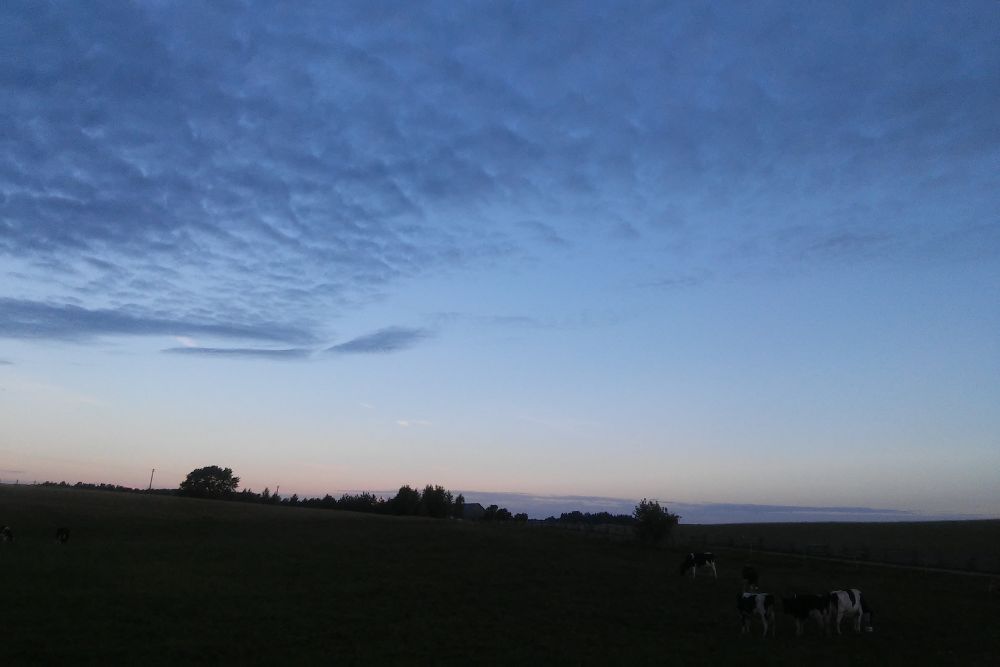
744,254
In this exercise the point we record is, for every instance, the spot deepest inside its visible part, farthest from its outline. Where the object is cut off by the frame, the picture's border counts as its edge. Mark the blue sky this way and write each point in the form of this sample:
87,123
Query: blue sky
703,252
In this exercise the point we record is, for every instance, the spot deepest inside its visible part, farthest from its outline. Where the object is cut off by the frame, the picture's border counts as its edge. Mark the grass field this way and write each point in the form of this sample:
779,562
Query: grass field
161,580
960,545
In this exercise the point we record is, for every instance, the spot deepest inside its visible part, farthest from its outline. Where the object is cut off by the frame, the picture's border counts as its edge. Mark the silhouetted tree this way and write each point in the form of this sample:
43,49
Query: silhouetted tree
521,517
495,513
458,507
436,501
406,502
363,502
652,522
210,482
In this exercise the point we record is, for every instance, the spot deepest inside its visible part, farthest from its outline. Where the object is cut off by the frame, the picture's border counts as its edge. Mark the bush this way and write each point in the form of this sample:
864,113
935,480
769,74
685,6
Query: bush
653,523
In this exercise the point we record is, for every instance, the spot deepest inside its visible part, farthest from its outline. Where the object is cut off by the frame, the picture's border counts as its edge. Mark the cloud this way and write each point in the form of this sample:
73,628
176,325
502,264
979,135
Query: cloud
407,423
259,353
391,339
681,280
543,232
542,506
4,362
38,320
237,164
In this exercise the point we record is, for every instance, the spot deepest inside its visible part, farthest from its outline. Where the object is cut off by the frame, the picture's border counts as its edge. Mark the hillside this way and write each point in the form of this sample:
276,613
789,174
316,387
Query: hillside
161,580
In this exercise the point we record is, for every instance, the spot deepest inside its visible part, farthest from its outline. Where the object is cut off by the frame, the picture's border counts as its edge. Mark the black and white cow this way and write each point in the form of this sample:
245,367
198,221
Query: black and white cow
62,535
760,605
849,604
695,560
750,578
806,606
6,534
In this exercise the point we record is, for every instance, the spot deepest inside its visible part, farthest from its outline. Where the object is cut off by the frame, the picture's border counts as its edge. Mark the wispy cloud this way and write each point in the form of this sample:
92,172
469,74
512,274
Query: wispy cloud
4,362
407,423
681,280
391,339
235,353
39,320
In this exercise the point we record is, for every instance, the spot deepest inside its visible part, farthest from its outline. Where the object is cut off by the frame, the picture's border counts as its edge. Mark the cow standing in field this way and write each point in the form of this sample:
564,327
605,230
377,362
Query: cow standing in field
760,605
62,535
695,560
750,578
6,534
804,607
852,605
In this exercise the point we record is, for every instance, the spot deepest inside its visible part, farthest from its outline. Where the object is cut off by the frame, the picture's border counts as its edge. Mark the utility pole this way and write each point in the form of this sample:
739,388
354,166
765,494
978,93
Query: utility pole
151,479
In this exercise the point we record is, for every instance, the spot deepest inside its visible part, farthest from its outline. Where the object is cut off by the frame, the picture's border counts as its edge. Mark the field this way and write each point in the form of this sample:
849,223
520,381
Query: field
161,580
959,545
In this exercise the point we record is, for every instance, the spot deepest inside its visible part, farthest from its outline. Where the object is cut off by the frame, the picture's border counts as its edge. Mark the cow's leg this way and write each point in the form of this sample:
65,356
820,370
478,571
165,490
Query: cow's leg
714,572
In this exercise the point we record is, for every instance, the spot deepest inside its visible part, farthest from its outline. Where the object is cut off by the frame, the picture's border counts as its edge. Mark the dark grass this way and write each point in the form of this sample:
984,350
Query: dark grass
960,545
159,580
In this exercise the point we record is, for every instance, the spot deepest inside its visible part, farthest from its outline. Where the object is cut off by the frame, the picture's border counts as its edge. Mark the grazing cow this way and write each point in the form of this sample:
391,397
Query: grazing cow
62,535
700,559
849,604
749,578
6,534
760,605
806,606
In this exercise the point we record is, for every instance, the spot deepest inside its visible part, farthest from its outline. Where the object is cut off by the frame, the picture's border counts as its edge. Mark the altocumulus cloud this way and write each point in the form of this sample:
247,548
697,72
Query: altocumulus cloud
211,168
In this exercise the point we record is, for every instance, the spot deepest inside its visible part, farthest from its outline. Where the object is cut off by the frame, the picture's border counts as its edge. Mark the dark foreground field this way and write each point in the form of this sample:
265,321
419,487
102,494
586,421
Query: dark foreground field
159,580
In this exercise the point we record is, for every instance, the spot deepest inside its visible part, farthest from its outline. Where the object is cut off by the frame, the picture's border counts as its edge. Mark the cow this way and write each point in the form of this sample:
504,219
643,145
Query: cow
62,535
695,560
6,534
805,606
749,574
850,604
760,605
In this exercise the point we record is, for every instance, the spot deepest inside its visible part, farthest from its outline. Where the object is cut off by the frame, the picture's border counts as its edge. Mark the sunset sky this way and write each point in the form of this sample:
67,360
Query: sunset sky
700,252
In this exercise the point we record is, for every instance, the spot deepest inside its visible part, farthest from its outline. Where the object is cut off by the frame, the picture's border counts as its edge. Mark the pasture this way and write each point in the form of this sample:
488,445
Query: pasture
162,580
959,545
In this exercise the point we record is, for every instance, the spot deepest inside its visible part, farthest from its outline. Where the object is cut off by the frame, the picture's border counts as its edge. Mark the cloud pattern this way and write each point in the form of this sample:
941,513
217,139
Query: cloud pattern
251,173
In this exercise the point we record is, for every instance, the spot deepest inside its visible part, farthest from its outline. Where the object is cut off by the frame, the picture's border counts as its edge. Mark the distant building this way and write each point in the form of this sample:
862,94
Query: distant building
473,511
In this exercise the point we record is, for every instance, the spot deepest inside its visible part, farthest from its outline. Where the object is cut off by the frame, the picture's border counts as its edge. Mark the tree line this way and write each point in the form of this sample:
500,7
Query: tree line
433,501
652,523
